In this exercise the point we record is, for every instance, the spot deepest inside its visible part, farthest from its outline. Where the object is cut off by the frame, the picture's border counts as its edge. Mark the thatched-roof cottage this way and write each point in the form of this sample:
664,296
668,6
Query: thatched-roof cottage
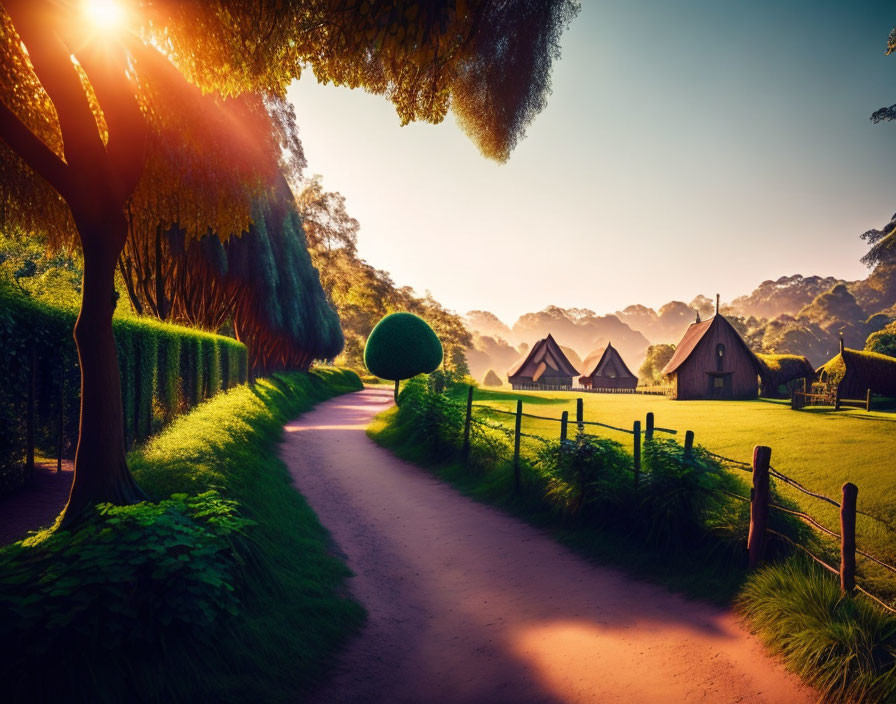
544,366
777,372
609,372
713,362
853,372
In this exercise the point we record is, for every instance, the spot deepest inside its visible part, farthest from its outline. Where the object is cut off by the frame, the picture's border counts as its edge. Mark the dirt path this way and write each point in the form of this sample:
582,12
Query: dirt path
469,605
36,504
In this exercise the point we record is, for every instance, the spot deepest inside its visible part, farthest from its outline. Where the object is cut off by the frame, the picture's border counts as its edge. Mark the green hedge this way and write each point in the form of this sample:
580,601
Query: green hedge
226,590
165,371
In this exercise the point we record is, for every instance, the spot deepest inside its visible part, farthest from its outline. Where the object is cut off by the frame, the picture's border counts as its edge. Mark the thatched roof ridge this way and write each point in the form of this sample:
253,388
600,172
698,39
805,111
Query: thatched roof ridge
878,369
695,333
546,351
777,369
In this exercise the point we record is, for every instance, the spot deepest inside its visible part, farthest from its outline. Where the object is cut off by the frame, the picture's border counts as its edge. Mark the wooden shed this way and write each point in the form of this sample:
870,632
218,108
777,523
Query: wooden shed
609,372
853,372
544,366
713,362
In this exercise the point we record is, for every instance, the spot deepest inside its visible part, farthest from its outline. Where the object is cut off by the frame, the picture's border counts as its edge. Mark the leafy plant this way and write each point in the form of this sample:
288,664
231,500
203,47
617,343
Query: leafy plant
126,575
588,475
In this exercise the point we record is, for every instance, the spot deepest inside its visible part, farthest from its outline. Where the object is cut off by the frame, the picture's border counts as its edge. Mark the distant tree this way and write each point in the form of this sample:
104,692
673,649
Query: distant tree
882,244
362,294
402,346
492,379
883,341
93,116
658,356
887,114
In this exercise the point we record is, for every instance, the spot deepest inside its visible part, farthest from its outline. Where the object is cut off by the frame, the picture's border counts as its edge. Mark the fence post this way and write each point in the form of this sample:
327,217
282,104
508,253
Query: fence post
848,538
564,422
516,446
29,416
466,450
688,444
793,399
61,419
648,431
868,400
758,504
580,415
636,452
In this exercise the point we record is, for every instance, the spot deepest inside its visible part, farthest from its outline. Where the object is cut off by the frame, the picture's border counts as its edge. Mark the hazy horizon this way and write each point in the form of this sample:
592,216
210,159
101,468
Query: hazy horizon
691,149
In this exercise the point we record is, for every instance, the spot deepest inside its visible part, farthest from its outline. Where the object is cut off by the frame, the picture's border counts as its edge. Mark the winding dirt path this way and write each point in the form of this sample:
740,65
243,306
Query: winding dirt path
469,605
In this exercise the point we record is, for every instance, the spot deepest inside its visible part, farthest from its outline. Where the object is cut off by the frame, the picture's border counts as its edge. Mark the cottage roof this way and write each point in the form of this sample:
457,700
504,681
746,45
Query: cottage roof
876,371
544,355
695,333
610,360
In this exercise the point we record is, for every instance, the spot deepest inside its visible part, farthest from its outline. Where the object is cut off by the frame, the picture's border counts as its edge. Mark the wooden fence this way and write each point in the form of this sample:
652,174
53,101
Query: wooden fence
801,399
760,502
640,391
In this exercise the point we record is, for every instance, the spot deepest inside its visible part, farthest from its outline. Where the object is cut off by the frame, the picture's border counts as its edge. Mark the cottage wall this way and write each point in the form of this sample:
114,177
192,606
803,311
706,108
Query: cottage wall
692,380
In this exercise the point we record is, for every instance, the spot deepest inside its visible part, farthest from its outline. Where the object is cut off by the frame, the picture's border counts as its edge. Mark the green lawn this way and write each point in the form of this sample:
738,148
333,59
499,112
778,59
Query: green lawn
819,447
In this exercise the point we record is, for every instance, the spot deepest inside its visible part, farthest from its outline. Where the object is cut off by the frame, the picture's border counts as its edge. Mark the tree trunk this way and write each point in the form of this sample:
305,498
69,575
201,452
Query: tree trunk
396,392
101,473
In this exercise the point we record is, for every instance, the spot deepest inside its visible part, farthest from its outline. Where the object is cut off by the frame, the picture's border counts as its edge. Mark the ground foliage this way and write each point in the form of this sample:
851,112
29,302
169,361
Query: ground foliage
224,590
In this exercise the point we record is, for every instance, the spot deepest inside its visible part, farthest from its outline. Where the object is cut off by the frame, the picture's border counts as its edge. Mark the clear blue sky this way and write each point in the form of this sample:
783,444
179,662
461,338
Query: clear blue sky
689,147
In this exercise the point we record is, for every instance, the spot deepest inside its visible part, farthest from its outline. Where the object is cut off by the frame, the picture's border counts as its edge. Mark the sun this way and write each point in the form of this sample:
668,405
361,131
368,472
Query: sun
105,14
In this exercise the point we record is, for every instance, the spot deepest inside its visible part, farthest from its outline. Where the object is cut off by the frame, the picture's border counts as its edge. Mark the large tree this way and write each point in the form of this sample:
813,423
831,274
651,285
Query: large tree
80,106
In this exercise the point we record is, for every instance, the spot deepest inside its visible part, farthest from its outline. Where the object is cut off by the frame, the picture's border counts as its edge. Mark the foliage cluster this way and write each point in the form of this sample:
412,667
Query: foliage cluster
883,341
131,574
226,591
165,370
657,358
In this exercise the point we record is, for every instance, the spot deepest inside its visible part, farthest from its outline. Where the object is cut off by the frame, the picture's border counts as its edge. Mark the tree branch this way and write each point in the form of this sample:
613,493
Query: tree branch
37,155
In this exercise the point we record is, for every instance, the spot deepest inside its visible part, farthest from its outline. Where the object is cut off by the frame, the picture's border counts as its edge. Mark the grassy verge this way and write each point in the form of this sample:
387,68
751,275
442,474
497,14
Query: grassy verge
290,611
845,647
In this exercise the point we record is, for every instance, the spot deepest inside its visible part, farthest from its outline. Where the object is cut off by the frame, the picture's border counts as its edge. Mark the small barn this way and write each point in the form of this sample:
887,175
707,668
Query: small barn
853,372
713,362
544,366
609,372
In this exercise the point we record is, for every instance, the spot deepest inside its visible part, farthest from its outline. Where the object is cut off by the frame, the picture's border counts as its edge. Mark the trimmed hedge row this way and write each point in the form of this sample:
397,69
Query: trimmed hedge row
165,370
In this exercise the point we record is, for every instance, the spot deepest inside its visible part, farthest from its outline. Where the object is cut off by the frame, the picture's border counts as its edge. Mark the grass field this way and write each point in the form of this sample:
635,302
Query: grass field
819,447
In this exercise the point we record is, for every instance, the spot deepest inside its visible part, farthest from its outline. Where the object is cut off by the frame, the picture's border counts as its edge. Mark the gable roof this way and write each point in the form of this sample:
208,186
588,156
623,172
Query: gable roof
695,333
544,355
611,359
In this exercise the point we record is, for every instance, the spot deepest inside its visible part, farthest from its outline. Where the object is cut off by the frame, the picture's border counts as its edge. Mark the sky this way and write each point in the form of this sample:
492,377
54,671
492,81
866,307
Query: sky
688,147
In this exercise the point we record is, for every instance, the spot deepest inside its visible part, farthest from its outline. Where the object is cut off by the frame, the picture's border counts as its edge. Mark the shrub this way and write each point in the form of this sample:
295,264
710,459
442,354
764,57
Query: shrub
677,494
433,418
126,575
845,647
588,476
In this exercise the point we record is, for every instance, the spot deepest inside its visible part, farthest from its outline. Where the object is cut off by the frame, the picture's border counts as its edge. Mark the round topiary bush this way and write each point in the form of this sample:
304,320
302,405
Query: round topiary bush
402,346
